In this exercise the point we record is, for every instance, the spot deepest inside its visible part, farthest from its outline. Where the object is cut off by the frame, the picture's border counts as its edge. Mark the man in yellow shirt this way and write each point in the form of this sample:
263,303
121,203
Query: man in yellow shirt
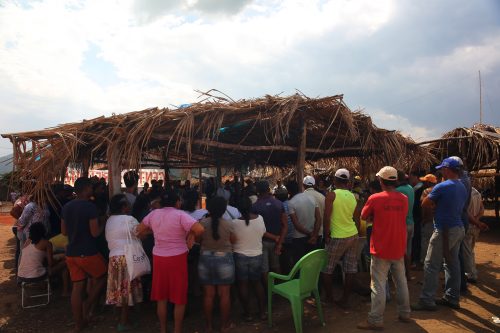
341,235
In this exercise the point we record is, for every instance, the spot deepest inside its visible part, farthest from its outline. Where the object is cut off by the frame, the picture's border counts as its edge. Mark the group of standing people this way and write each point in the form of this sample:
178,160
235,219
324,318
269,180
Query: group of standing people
241,241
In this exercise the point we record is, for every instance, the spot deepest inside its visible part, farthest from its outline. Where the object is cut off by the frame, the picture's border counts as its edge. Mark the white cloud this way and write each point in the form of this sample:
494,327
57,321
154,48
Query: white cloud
388,120
161,51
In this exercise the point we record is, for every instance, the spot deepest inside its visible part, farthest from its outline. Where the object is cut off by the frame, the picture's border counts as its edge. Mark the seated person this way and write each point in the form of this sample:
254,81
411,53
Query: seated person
34,252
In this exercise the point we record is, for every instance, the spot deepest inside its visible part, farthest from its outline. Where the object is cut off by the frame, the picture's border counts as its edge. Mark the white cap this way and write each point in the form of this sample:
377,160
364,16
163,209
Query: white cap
309,180
342,174
388,173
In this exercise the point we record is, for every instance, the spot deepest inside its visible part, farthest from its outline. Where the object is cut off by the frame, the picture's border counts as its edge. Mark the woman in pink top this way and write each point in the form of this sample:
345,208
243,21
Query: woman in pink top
174,232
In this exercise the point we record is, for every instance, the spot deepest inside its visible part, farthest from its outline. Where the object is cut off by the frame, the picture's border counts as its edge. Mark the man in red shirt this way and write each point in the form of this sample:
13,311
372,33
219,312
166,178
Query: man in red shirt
387,210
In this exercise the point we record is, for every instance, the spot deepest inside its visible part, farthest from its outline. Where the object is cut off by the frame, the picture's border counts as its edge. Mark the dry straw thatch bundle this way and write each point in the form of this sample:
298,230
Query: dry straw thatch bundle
215,131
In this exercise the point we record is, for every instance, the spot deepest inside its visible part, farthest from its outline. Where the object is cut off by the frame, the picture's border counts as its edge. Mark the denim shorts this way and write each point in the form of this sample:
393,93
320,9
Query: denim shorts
216,268
248,268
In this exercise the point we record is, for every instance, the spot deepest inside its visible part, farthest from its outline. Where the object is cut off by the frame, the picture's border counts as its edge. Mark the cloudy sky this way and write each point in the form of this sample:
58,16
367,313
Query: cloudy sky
411,65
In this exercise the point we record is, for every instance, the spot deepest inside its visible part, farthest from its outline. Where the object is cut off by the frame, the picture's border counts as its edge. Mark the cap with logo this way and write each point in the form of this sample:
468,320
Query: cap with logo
450,163
388,173
429,178
309,180
342,174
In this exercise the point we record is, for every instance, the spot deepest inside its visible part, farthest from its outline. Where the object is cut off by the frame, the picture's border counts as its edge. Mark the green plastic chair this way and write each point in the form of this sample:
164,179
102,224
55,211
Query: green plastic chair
297,289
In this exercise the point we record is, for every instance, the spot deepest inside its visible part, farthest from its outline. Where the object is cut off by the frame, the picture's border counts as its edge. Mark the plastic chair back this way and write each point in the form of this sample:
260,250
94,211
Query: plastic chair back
309,267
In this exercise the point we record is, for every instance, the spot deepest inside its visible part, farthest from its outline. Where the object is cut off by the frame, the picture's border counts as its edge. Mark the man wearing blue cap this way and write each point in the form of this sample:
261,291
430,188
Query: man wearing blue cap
448,198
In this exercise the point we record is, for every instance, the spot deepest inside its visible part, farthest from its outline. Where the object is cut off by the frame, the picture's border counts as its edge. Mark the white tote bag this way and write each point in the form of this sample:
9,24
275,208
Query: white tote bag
137,261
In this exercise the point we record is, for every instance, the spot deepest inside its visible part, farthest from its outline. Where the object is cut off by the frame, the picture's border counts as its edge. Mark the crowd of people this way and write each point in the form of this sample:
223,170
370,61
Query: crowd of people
413,221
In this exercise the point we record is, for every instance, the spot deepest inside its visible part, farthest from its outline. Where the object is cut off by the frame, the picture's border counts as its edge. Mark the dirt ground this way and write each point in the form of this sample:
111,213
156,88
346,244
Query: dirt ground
478,306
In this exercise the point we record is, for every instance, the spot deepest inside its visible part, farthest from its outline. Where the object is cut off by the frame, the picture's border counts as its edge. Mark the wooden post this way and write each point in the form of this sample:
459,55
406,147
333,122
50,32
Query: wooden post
301,154
166,170
114,170
200,186
218,181
85,163
14,155
497,191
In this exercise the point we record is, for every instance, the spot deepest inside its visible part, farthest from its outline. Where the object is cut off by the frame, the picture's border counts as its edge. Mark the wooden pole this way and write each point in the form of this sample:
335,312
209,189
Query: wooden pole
85,163
200,186
480,100
301,153
114,170
497,191
218,181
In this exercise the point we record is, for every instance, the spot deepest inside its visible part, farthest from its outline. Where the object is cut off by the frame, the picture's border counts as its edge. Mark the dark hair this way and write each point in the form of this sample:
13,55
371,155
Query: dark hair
130,178
281,194
169,199
402,177
375,184
141,206
245,208
189,200
81,184
341,180
391,183
262,187
293,187
216,207
116,204
37,232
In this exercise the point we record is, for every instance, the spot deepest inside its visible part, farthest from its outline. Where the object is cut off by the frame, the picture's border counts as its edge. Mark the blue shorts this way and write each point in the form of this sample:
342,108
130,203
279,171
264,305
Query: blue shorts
216,268
248,268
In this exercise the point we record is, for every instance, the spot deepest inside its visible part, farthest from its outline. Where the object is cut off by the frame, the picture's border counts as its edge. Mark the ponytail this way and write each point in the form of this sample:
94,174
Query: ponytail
216,207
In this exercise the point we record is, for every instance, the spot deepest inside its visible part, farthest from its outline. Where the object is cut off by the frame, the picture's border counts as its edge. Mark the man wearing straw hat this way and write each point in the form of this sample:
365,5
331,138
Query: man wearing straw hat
387,210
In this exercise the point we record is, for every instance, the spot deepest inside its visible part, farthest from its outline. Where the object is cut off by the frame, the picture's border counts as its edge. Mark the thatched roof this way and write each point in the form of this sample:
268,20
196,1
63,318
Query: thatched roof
478,146
216,131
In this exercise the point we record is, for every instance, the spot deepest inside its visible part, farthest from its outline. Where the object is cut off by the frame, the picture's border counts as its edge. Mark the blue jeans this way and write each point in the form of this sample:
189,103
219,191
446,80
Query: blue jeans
434,262
248,268
216,268
379,269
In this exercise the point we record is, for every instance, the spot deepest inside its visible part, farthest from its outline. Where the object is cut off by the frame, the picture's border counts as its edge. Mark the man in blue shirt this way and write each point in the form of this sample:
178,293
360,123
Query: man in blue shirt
448,198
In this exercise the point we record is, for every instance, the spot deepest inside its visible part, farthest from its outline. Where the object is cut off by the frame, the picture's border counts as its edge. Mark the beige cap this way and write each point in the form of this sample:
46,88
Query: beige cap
388,173
342,174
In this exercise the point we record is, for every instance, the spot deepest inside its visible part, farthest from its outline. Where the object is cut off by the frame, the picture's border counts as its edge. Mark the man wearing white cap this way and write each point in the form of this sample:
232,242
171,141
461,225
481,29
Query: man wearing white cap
309,183
304,214
341,235
387,210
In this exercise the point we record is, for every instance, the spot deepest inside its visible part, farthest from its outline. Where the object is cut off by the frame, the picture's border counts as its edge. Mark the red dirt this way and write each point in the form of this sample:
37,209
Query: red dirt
478,306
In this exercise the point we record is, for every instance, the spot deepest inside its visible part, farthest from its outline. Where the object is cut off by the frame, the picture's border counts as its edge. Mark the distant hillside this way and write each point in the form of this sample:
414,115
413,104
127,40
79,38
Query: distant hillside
5,164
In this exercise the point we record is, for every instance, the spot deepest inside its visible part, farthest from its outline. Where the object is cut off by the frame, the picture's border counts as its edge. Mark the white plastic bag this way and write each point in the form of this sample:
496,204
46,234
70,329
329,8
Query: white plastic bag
137,261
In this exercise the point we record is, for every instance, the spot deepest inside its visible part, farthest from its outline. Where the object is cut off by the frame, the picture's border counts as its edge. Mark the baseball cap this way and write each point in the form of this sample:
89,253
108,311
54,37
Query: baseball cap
342,174
388,173
429,178
450,163
309,180
458,159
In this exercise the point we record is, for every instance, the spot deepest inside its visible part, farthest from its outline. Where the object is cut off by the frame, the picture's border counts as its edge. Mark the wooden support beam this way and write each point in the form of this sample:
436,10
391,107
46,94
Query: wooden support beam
301,153
232,146
114,170
444,139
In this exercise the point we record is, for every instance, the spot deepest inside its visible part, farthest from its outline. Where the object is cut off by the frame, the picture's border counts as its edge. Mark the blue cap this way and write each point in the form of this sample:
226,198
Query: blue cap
449,162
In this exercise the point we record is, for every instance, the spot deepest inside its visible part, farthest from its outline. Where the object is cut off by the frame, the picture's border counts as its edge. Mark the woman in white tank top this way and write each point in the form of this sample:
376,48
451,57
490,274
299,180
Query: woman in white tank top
35,250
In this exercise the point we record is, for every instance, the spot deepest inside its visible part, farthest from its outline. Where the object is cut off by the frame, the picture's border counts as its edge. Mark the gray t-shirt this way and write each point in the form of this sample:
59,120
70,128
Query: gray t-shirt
223,244
304,208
